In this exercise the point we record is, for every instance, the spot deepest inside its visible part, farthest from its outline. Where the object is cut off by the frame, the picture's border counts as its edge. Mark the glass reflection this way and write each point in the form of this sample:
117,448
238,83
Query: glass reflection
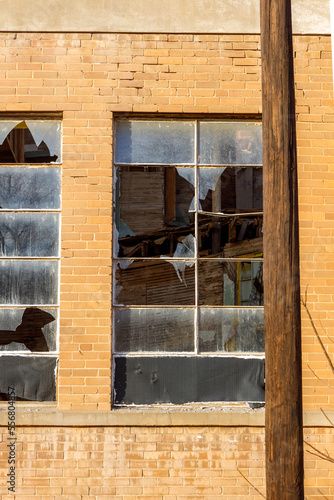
230,143
231,330
165,142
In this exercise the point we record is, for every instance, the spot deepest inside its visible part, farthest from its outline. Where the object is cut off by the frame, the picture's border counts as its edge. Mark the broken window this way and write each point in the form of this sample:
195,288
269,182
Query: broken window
30,141
188,259
29,257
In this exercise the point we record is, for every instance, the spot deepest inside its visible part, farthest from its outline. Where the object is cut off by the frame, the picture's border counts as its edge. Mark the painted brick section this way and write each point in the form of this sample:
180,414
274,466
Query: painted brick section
160,463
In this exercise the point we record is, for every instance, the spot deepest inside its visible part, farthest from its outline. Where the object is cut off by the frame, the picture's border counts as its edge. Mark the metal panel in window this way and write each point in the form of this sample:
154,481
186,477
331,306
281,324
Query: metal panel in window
230,143
231,330
166,142
32,377
168,329
179,380
29,234
30,188
31,329
28,282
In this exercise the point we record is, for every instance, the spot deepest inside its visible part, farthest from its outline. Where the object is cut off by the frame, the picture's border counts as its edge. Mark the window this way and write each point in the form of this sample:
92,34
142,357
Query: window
187,267
29,258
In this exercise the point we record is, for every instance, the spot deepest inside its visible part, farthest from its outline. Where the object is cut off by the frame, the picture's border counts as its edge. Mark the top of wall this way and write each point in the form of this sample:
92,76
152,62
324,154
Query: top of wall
154,16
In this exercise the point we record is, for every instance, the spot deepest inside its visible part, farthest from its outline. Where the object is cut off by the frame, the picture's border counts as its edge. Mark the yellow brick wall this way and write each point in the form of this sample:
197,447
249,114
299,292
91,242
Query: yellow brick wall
152,463
88,78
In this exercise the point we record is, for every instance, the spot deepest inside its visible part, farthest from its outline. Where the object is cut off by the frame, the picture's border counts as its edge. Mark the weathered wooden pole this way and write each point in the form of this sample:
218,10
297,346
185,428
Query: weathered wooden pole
284,426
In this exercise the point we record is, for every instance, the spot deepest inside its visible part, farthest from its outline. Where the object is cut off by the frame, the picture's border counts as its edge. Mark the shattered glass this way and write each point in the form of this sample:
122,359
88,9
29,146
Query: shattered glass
30,141
229,283
230,190
152,210
154,282
231,330
167,329
237,236
31,329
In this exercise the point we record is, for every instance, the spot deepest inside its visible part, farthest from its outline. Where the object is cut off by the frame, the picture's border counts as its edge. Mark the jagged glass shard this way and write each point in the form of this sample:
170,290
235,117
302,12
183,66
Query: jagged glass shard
6,127
48,132
208,178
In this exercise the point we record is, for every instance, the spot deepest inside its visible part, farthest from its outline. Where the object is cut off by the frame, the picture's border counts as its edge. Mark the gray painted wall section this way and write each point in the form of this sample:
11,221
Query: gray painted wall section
154,16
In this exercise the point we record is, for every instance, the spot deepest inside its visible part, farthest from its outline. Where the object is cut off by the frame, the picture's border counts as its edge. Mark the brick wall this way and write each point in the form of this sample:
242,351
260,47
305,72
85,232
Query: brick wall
87,78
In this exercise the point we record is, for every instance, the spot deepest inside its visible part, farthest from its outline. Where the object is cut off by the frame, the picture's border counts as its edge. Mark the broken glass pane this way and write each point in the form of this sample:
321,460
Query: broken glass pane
32,377
30,141
230,190
168,329
230,143
222,283
166,142
48,132
238,236
152,210
154,283
231,330
31,329
29,234
30,188
180,379
28,282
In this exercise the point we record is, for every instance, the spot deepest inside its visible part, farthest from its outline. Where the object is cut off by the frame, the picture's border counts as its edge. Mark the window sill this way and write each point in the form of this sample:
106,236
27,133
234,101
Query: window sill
203,415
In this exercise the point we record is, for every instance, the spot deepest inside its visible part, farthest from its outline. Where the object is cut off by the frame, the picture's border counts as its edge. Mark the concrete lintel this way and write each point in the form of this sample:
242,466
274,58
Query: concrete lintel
154,16
51,417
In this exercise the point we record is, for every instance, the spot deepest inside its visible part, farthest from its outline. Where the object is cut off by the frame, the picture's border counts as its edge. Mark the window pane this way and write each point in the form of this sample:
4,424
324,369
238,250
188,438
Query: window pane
29,234
155,283
169,329
31,329
154,142
152,210
180,379
231,330
230,143
28,282
222,283
230,189
33,377
230,236
29,188
30,141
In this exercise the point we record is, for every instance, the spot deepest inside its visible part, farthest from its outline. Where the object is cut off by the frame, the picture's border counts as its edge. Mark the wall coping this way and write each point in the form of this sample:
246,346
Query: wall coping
152,16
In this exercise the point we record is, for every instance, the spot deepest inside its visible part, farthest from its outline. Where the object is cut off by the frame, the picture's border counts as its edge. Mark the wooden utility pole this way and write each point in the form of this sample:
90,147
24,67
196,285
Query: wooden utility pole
284,426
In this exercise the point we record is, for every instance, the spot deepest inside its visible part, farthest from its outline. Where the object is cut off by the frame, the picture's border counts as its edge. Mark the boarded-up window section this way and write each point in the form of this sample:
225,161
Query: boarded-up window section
188,209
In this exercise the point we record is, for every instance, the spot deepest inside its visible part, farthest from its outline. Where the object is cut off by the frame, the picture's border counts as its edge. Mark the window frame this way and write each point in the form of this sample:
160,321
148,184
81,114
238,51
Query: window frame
115,259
